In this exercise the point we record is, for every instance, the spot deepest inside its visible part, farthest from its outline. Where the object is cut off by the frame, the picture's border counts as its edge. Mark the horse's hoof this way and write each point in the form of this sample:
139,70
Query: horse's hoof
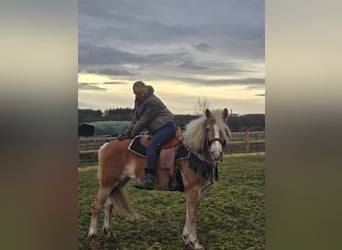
91,236
195,245
94,243
185,238
199,247
109,233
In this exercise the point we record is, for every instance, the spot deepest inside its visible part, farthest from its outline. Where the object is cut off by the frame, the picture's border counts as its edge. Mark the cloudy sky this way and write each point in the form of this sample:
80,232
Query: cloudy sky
188,50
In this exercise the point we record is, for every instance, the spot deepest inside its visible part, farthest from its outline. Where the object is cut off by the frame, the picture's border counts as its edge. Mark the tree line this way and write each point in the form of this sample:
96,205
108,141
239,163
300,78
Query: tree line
236,122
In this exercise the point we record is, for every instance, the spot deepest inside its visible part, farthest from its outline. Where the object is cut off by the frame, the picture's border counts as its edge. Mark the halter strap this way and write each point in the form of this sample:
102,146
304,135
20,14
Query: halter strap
223,143
209,142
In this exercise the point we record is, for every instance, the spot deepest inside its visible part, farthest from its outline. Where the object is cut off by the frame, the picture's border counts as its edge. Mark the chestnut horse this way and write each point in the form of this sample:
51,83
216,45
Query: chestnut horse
206,135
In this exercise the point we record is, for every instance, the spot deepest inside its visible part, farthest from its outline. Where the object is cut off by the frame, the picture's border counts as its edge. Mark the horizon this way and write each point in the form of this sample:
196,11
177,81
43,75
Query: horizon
193,114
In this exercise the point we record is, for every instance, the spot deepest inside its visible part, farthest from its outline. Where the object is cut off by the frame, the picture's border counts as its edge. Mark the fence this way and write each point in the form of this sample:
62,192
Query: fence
246,141
239,142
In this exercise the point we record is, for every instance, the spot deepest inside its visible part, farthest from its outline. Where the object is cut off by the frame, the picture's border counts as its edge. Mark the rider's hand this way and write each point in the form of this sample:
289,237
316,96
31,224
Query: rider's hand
123,137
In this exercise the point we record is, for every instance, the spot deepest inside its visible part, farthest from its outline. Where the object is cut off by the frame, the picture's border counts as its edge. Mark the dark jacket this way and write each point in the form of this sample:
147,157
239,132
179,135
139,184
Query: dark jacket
150,114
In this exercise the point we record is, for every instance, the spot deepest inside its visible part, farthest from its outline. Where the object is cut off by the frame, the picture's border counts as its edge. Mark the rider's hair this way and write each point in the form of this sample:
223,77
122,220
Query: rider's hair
140,87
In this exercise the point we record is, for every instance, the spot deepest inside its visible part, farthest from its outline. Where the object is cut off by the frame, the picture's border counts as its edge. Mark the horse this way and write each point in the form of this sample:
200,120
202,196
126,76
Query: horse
206,136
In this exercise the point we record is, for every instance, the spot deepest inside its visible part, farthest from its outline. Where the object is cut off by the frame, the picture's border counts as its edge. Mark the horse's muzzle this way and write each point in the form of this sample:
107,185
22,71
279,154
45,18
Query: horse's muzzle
216,155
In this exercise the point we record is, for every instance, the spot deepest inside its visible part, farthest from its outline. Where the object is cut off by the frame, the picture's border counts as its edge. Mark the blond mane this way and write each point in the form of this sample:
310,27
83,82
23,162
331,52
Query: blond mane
194,134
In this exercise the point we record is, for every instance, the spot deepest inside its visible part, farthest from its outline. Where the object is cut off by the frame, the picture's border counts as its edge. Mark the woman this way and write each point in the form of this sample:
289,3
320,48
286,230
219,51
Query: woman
151,114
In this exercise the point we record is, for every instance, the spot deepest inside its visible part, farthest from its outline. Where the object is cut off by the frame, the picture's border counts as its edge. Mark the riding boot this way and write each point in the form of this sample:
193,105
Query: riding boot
147,182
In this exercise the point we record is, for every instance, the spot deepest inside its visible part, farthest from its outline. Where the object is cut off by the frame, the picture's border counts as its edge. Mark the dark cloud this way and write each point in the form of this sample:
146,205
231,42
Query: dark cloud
166,59
234,28
256,87
90,86
114,83
97,56
258,81
90,54
243,81
253,82
203,47
108,71
260,95
187,41
190,64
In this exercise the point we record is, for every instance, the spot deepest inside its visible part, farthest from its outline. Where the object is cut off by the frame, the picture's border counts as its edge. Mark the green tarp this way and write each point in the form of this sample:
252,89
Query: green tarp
102,128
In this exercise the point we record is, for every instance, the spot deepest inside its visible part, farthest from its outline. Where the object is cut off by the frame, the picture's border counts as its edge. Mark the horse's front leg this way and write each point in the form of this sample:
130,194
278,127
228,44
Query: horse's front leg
189,231
186,229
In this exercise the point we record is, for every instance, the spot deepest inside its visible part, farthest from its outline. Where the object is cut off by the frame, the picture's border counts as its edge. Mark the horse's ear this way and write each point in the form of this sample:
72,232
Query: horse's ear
225,114
207,113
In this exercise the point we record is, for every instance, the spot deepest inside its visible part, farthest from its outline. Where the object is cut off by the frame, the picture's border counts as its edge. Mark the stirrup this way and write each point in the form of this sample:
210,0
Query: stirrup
146,183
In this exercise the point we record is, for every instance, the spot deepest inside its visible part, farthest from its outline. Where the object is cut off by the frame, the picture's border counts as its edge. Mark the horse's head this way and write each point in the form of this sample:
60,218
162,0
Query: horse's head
216,133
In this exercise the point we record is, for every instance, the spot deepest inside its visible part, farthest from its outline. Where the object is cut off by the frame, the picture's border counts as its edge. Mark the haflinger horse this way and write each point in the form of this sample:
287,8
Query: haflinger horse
205,136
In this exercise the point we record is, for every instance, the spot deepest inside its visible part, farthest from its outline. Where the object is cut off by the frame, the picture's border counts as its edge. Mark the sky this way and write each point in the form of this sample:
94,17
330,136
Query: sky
189,51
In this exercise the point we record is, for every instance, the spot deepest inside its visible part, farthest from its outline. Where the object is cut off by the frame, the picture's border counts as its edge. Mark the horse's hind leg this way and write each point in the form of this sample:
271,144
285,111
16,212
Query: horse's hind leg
109,204
102,196
107,226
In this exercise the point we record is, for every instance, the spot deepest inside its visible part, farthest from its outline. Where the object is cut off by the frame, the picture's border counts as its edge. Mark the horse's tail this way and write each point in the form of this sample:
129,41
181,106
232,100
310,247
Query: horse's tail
121,204
99,159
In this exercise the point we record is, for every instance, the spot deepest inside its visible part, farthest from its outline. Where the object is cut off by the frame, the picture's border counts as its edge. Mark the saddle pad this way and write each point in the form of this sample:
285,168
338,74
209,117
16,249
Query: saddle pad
136,147
182,153
170,144
203,167
179,180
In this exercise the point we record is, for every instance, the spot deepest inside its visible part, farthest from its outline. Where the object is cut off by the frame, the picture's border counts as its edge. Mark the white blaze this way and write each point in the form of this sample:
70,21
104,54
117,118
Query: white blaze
216,147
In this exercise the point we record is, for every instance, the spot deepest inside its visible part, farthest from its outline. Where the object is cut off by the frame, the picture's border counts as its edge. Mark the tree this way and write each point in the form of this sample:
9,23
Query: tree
201,105
89,115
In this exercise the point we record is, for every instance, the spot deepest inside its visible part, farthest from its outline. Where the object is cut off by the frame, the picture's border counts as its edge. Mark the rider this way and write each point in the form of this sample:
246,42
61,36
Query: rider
151,114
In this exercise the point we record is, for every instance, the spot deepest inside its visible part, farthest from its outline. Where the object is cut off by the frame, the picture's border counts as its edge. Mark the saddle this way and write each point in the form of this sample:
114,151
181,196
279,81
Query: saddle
167,176
167,152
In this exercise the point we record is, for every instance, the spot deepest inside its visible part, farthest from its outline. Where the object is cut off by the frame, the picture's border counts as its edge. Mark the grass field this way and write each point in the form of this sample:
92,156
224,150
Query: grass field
231,214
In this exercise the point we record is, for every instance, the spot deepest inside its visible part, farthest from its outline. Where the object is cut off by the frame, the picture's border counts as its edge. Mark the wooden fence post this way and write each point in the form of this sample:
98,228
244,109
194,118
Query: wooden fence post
78,150
256,144
247,140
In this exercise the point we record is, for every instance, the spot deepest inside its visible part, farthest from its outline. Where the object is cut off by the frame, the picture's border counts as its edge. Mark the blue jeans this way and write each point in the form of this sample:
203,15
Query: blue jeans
159,138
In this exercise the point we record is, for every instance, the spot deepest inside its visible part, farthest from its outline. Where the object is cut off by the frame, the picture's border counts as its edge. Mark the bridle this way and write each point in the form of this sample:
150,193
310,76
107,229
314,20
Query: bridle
209,142
214,171
223,143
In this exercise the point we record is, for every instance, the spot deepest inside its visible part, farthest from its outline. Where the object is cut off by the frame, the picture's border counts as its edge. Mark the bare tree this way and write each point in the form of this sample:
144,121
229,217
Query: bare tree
201,105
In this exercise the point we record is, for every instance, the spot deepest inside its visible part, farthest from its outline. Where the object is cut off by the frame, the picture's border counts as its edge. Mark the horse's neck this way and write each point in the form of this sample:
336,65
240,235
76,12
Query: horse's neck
204,151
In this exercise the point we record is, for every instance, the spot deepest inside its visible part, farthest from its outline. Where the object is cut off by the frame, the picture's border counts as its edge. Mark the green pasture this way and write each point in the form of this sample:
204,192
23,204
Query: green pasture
231,214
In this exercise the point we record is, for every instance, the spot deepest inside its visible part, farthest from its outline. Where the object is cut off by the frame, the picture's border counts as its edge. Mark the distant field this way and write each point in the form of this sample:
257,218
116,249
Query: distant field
231,214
